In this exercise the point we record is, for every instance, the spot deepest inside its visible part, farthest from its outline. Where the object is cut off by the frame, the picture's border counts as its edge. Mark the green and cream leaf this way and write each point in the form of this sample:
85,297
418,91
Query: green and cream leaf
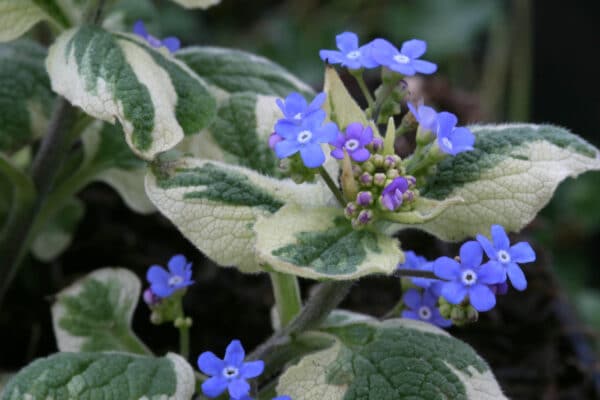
103,376
94,313
215,205
509,177
320,243
18,16
340,105
25,96
389,360
202,4
156,98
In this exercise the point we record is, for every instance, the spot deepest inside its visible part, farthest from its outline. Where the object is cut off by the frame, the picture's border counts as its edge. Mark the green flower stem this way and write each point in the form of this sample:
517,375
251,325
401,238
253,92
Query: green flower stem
183,324
332,186
413,273
386,90
358,75
287,296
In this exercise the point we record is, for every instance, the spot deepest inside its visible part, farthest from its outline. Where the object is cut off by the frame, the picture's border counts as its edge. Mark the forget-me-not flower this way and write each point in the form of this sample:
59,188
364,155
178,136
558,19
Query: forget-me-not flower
469,278
353,141
420,263
451,139
230,373
296,110
406,60
393,194
171,42
350,54
306,139
508,257
423,307
164,283
426,116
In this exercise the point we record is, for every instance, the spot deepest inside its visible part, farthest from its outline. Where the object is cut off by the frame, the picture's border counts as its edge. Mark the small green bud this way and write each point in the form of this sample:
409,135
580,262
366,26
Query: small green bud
368,166
379,179
378,160
392,173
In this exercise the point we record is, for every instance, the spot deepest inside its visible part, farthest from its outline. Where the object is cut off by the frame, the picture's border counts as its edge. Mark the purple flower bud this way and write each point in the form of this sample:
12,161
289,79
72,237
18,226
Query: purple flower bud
364,199
412,181
378,160
409,195
379,179
390,161
350,210
365,216
274,139
356,170
377,144
366,179
150,298
393,194
500,288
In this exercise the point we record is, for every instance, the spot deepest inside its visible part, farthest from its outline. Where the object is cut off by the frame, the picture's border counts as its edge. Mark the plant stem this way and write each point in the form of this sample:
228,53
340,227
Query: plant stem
414,273
184,341
386,91
358,75
287,296
323,300
332,186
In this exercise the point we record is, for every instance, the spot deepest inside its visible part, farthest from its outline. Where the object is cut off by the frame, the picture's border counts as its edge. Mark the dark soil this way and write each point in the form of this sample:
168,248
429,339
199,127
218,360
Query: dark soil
532,339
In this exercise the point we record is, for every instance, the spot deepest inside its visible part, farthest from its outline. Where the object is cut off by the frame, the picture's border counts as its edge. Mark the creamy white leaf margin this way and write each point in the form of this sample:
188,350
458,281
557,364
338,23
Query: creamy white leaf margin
130,186
511,193
17,17
222,231
202,4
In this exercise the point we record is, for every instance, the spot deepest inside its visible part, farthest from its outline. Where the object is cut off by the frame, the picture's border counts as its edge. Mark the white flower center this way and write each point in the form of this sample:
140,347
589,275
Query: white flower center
401,59
304,137
353,55
175,280
230,372
352,144
424,313
298,116
503,256
447,142
469,277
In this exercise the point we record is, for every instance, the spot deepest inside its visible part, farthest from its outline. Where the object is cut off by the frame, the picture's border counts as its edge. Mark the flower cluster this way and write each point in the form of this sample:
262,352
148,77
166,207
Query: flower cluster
230,373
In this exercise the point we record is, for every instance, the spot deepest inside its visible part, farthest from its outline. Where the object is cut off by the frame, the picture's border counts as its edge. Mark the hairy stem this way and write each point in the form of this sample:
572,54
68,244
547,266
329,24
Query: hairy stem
287,296
323,300
414,273
358,75
332,186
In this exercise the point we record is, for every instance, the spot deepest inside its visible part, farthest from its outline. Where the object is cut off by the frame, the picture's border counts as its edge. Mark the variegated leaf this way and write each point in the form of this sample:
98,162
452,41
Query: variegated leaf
203,4
156,98
215,205
18,16
320,243
340,105
389,360
103,376
509,177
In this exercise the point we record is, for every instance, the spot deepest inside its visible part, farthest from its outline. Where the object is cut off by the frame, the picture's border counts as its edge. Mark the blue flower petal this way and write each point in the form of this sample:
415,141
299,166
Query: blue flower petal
347,42
414,48
404,69
162,289
428,118
238,388
210,364
312,155
332,56
482,298
317,102
446,268
177,264
383,51
326,133
522,252
171,43
140,29
454,292
440,321
409,314
366,58
294,104
446,123
429,298
491,273
488,247
235,354
412,298
516,276
471,254
157,274
360,155
462,139
424,67
286,148
282,398
500,238
252,369
287,129
213,387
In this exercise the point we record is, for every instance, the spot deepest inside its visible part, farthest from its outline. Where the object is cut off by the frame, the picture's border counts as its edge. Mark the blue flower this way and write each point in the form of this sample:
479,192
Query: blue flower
453,140
423,307
469,278
506,256
296,110
420,263
426,116
306,139
230,373
164,283
351,55
405,60
393,194
171,43
354,141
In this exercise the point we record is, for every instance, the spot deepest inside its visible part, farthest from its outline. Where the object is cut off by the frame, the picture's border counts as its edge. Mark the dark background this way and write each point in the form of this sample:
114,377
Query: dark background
515,60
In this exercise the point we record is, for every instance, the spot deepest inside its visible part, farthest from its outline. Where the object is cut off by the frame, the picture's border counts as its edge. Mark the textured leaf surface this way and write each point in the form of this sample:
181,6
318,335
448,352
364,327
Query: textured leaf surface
94,313
233,71
156,98
18,195
17,17
340,105
25,95
203,4
215,205
320,243
103,376
509,177
391,360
